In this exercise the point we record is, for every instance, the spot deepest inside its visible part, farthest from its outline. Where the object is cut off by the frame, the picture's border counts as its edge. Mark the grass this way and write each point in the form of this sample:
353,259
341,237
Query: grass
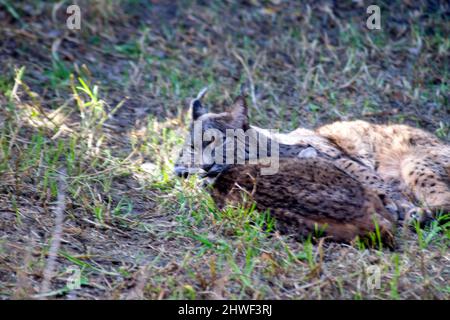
109,115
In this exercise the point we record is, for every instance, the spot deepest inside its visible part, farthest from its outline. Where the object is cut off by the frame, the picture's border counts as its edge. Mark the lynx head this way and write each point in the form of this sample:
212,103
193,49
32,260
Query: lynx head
207,134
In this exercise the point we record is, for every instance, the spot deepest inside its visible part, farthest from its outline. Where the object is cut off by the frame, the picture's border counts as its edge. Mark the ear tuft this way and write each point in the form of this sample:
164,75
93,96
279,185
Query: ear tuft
197,109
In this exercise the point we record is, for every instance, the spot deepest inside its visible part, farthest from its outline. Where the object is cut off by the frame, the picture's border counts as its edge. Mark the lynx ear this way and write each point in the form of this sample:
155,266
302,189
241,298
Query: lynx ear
197,109
239,111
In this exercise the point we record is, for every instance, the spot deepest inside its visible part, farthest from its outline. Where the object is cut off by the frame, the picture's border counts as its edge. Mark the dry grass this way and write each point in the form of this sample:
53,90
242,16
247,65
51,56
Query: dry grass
104,107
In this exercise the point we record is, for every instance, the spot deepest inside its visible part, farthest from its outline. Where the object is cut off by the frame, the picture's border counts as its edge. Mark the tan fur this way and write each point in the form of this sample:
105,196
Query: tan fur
358,166
411,158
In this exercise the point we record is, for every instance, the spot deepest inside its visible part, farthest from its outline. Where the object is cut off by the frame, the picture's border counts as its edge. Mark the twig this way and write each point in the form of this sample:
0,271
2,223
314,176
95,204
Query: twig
138,291
250,79
57,233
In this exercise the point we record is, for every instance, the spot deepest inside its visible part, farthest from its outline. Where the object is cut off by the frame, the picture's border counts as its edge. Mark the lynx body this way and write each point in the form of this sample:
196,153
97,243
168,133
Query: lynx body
341,175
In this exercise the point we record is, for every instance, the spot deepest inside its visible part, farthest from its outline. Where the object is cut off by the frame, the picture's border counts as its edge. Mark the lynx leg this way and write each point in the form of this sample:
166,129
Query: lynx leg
428,180
396,203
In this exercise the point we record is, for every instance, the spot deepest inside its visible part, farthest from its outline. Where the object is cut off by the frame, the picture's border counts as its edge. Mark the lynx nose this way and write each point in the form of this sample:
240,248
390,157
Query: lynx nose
181,171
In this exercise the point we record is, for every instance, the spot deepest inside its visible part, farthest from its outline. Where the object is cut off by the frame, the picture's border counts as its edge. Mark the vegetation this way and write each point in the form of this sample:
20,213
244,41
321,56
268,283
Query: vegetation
92,120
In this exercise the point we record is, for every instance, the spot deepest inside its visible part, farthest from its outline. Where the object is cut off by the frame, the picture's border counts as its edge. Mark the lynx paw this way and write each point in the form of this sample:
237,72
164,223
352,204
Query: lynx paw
417,214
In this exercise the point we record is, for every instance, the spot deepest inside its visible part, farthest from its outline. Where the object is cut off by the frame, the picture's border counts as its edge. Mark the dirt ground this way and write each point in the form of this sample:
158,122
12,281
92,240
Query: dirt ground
92,119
